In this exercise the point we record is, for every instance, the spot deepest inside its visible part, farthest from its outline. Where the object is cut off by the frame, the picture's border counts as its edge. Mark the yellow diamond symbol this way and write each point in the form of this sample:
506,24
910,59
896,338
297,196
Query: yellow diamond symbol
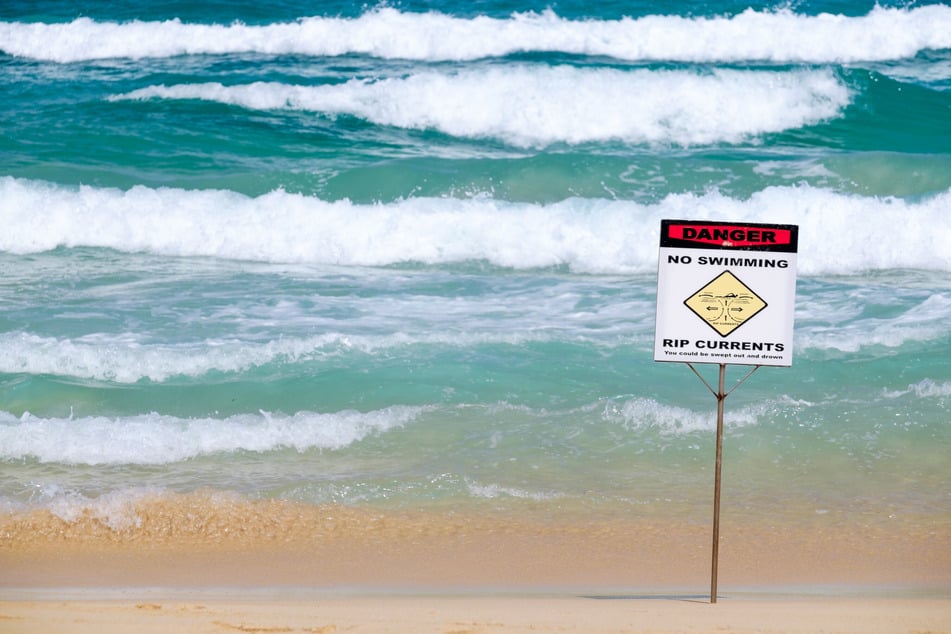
725,303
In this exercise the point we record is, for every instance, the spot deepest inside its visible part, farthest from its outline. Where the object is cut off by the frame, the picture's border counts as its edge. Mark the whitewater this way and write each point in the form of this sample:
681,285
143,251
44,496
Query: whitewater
774,36
841,232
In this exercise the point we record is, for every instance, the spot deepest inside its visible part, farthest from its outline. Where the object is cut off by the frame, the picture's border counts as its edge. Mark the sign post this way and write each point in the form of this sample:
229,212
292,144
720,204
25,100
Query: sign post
725,295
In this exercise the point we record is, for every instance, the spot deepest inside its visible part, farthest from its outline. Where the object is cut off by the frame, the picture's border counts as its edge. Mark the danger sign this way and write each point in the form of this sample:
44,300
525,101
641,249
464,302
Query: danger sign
726,293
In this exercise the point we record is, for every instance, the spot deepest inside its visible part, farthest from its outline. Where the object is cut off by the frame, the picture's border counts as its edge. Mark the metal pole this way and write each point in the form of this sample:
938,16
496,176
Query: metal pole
721,396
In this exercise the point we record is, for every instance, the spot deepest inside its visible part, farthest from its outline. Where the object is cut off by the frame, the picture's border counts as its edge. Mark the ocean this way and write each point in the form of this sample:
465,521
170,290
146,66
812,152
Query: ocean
403,257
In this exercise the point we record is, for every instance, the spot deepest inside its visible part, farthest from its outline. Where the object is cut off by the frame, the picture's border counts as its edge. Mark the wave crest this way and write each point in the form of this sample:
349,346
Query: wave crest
154,439
538,106
839,233
777,36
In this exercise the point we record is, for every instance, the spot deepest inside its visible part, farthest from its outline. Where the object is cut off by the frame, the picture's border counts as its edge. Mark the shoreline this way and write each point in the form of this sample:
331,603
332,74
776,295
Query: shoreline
267,566
197,540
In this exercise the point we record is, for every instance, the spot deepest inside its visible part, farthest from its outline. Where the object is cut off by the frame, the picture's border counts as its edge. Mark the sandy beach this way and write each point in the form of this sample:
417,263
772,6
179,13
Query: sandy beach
327,569
476,614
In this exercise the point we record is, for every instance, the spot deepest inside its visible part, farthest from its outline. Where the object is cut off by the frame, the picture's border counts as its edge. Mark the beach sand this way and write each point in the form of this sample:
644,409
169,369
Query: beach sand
192,564
474,614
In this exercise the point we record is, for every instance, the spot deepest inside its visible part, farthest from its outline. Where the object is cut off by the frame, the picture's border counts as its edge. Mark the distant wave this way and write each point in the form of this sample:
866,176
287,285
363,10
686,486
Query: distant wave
159,439
839,233
776,36
537,106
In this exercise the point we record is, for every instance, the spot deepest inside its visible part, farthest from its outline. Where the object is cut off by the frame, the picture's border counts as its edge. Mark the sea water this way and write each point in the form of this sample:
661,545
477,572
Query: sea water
404,256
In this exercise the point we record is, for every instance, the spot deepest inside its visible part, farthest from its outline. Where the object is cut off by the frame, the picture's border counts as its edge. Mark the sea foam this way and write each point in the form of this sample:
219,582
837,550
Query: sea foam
151,439
925,320
777,36
839,233
130,361
115,360
535,106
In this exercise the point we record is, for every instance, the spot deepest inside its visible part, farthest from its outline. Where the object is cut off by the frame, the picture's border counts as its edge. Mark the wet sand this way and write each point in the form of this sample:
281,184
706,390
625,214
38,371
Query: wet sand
187,565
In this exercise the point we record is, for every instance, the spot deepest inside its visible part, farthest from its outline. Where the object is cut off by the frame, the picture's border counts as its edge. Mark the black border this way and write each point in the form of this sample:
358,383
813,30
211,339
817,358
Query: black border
666,241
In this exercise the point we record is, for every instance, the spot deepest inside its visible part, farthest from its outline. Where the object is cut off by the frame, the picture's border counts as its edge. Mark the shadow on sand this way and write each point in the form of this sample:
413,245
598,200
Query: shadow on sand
693,598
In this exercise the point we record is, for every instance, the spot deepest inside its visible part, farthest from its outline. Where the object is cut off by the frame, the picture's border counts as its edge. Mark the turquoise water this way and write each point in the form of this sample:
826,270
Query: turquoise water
405,256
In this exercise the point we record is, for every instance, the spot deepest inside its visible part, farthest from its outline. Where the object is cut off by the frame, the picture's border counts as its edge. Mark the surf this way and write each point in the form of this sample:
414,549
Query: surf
752,35
537,106
841,233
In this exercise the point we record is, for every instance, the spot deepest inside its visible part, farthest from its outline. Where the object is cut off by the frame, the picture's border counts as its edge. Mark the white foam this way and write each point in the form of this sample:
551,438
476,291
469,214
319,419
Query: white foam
125,360
928,320
534,106
119,510
779,36
640,413
115,509
646,413
496,491
926,388
839,233
151,439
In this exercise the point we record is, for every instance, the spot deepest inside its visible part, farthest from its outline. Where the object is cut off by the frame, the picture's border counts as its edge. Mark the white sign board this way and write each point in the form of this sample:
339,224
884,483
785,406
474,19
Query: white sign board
726,292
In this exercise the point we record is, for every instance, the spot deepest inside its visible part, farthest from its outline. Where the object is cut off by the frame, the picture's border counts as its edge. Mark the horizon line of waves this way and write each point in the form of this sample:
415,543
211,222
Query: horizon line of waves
533,107
771,35
839,233
156,439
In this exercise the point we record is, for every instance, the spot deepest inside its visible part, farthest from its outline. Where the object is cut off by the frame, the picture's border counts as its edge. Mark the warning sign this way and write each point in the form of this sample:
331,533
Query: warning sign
726,292
725,303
